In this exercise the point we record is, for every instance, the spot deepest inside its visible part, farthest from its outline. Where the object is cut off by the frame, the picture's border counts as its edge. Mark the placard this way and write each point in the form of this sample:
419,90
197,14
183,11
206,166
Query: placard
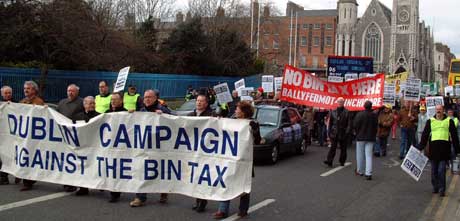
389,94
246,94
341,66
414,163
431,103
278,83
121,80
412,90
267,83
223,93
240,84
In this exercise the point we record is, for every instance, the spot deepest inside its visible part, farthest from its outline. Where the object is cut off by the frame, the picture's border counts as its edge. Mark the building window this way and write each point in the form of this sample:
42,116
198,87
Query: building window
275,44
305,26
315,62
303,41
316,41
329,26
328,41
373,43
303,61
317,26
439,67
274,61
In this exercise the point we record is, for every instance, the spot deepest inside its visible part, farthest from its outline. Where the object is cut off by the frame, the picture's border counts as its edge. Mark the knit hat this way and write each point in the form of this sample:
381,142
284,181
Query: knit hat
260,89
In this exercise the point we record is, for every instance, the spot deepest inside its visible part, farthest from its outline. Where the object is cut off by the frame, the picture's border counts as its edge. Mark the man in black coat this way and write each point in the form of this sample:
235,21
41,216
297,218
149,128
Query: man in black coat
202,109
339,130
440,133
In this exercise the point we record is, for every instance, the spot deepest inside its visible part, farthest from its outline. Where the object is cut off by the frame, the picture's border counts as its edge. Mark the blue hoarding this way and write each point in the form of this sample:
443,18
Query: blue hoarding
344,68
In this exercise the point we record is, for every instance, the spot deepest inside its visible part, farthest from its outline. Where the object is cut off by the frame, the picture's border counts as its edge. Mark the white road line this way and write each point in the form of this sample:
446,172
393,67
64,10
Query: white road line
251,209
335,169
33,200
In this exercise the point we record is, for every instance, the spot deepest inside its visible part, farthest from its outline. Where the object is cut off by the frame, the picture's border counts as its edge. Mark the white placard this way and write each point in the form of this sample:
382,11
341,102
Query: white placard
431,103
121,80
223,93
278,83
351,76
457,90
201,157
246,94
240,84
412,90
389,94
335,79
267,83
414,163
450,90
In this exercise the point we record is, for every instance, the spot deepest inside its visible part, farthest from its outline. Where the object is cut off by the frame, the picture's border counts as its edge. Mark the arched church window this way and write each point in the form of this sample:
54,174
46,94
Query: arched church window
373,43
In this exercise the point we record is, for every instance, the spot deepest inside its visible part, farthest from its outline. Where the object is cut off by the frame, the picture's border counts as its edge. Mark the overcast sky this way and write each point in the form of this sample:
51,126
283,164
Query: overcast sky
443,15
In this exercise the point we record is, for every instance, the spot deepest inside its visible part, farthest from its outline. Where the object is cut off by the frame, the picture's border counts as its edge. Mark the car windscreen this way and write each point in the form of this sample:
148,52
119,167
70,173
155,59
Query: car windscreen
187,106
267,117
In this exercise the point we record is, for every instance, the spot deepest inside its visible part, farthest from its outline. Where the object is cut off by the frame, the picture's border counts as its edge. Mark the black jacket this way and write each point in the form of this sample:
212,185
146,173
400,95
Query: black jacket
86,116
366,125
439,149
118,109
340,124
207,113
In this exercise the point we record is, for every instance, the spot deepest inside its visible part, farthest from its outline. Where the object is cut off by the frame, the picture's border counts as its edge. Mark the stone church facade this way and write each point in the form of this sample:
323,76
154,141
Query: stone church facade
396,38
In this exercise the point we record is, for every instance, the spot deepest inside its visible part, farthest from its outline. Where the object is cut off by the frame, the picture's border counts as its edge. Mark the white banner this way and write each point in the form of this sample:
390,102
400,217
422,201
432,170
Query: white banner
431,103
223,93
121,80
412,90
267,83
414,163
206,157
278,83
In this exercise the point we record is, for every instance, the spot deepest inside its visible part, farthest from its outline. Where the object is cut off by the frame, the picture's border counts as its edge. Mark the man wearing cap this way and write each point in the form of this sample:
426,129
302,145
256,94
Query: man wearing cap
132,101
440,134
422,119
385,122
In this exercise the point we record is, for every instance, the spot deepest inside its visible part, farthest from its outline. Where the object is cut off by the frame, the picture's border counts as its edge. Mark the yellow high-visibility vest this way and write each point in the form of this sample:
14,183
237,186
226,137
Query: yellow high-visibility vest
439,129
130,101
103,103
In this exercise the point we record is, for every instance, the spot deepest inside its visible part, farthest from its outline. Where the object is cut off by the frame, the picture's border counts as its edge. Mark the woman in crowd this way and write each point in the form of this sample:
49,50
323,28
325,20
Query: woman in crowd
244,110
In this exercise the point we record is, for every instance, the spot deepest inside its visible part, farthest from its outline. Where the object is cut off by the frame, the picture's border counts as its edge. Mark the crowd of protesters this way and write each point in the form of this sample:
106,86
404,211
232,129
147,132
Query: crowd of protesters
335,129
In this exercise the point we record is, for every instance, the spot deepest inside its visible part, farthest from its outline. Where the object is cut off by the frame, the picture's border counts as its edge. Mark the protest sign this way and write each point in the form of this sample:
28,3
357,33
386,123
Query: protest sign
391,78
267,83
449,90
457,90
412,90
201,157
240,84
223,93
431,103
414,163
300,87
278,83
121,80
348,68
389,96
246,94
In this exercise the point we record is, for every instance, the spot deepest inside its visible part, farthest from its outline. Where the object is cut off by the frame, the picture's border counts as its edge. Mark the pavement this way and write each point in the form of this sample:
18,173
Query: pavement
298,187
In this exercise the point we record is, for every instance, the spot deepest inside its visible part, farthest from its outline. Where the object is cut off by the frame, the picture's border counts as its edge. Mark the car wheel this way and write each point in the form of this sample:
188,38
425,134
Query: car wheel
302,147
275,154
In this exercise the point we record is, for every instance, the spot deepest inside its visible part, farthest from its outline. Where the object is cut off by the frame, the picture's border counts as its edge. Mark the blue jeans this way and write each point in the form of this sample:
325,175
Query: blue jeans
381,146
322,133
364,153
142,196
224,206
438,176
407,139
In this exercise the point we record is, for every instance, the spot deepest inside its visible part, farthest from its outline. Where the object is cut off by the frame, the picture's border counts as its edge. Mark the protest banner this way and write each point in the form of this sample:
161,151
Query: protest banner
414,163
340,68
431,103
267,83
121,80
412,90
278,83
389,96
201,157
391,78
240,84
223,93
300,87
246,94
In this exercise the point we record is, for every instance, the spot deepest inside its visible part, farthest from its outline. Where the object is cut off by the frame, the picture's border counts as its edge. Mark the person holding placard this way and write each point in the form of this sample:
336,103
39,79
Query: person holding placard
340,124
439,133
385,122
408,117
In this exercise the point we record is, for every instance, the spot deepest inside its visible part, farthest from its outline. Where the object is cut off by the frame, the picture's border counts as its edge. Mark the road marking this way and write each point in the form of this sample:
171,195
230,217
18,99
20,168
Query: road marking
335,170
33,200
429,209
251,209
442,209
393,164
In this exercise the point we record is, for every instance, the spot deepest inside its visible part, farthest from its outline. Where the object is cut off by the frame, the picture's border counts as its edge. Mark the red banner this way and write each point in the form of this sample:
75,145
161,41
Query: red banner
300,87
